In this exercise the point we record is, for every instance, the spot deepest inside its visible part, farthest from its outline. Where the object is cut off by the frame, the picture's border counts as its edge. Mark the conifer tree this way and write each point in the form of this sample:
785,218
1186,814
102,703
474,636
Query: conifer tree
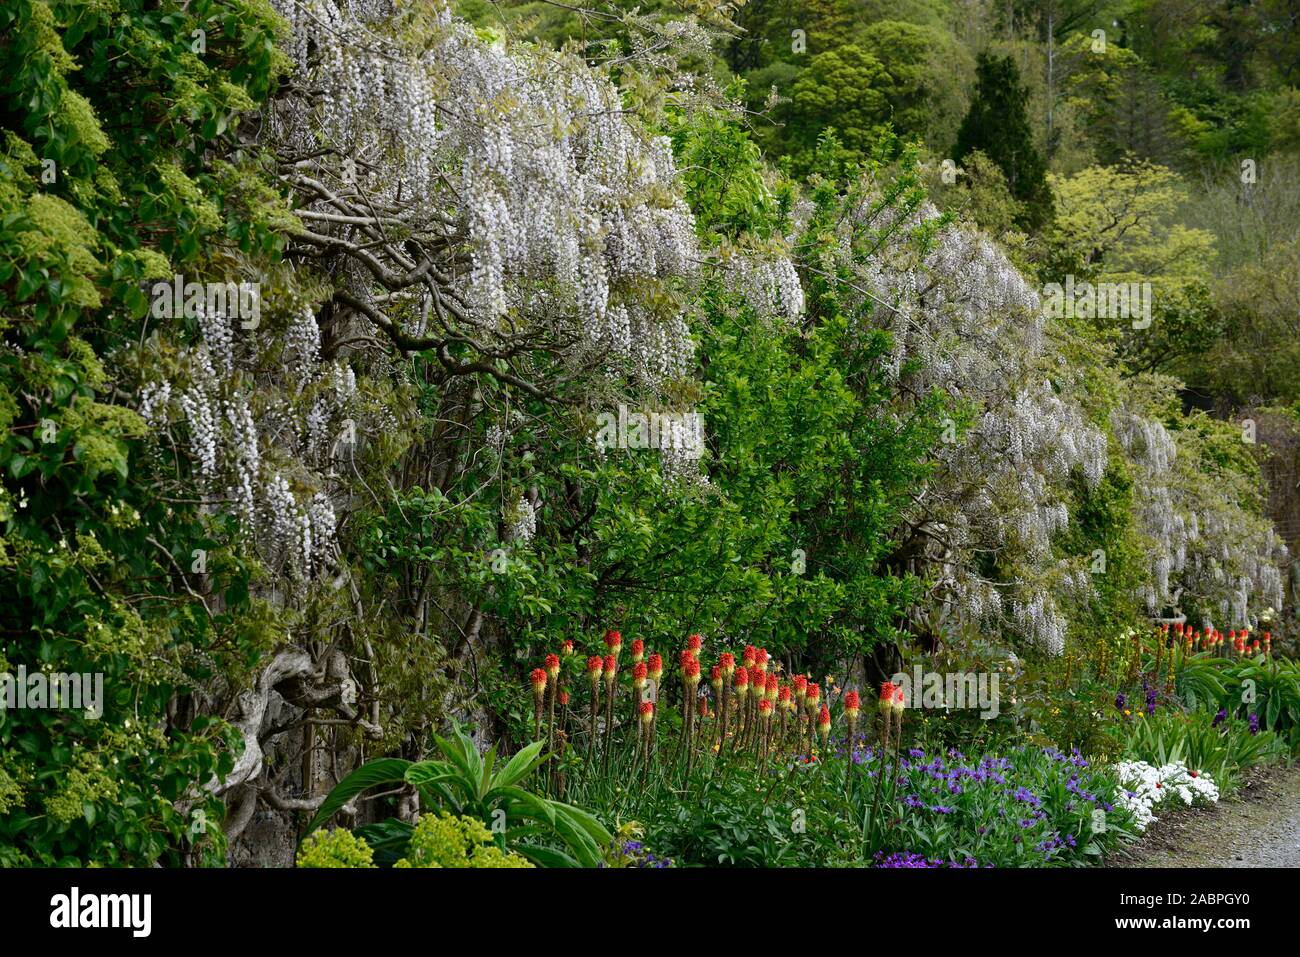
997,124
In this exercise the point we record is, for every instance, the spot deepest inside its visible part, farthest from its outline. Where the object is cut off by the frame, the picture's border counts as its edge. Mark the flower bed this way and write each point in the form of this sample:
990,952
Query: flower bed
1147,788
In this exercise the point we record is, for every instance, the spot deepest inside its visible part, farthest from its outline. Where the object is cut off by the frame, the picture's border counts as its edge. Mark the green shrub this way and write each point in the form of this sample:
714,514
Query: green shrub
453,841
335,848
1221,749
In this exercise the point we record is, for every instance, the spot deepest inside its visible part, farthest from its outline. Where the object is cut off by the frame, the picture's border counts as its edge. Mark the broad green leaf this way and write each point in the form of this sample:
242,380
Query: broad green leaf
370,774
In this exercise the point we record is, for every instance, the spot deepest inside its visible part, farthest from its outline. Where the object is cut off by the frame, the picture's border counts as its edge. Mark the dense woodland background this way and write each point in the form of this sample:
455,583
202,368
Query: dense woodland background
824,225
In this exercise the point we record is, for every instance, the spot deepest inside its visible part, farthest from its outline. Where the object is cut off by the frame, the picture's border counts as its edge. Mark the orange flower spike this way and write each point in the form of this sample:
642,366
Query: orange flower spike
886,696
727,662
655,668
852,704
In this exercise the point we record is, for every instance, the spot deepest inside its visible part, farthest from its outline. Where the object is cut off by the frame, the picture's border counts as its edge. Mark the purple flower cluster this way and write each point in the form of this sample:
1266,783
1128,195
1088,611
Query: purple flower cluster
635,851
908,859
932,785
1055,843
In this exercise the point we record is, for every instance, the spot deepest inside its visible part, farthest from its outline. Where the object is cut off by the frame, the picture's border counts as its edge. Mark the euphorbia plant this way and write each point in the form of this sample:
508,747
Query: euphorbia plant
469,784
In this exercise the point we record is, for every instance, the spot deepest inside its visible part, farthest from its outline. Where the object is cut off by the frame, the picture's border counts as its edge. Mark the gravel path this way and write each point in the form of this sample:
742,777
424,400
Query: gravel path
1258,827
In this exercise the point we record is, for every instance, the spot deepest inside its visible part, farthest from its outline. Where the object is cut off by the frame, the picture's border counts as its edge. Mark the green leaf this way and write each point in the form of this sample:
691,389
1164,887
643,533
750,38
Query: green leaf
544,856
370,774
519,767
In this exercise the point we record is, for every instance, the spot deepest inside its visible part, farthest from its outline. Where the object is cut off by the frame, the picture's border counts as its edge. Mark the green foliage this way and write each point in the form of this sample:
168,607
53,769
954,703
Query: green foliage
1266,687
337,847
456,841
998,126
839,90
106,117
1223,749
468,784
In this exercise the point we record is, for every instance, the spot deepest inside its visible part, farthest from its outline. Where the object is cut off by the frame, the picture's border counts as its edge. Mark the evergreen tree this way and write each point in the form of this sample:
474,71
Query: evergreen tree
997,124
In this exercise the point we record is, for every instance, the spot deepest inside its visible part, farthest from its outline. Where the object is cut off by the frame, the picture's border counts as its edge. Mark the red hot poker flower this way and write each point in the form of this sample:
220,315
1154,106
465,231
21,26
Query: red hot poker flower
539,682
564,698
552,666
656,668
852,704
694,643
824,721
611,668
691,671
742,680
715,677
638,650
647,711
613,642
727,662
566,647
593,666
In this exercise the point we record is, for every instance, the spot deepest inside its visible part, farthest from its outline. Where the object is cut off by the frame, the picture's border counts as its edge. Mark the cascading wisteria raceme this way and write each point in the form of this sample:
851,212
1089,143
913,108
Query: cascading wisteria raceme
963,320
1203,546
769,284
265,454
519,167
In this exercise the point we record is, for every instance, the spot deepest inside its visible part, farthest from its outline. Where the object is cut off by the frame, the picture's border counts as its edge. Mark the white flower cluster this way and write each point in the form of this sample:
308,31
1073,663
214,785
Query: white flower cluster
770,286
963,320
521,521
1202,545
264,452
559,212
1145,788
